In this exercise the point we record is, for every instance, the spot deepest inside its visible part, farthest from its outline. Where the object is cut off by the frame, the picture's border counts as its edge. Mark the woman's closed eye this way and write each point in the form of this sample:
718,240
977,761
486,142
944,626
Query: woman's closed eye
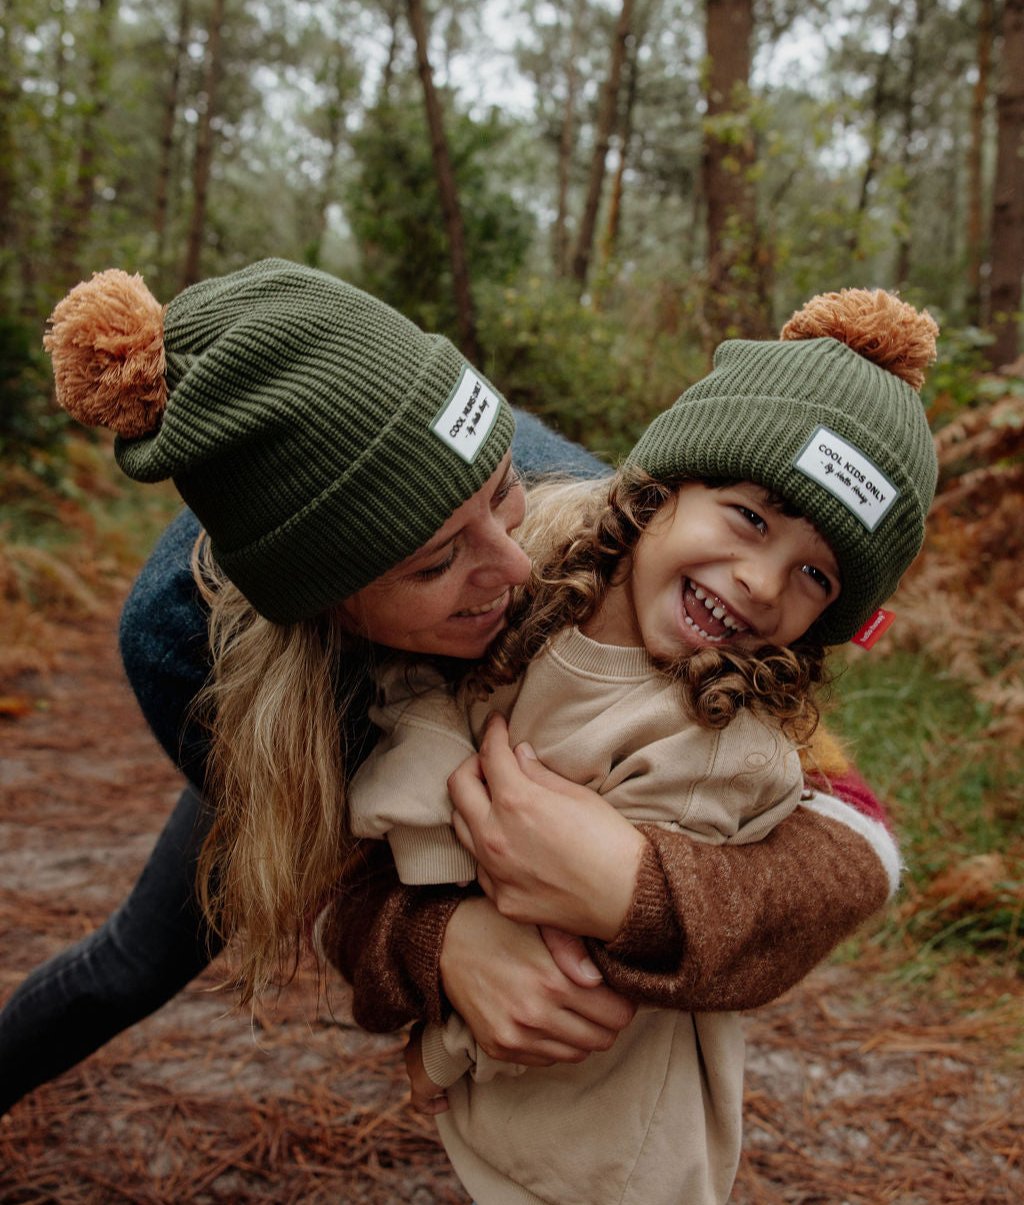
431,571
512,482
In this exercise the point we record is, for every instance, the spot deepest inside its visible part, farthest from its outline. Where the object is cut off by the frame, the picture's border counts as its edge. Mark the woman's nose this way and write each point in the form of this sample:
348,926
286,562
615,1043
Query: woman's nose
502,563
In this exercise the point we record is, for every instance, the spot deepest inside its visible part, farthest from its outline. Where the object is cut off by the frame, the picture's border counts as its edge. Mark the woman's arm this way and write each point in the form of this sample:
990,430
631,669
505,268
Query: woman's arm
734,926
164,645
670,921
415,953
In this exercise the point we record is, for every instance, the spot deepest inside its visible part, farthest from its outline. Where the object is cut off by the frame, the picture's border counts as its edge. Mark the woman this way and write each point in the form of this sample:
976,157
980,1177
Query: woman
330,370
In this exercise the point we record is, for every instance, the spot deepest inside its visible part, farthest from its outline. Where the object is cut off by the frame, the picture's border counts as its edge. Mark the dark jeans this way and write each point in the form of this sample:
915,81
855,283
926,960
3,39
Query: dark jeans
141,957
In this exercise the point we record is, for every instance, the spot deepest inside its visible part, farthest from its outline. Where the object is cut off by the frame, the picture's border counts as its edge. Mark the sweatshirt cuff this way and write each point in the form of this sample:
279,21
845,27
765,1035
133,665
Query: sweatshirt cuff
443,1067
430,854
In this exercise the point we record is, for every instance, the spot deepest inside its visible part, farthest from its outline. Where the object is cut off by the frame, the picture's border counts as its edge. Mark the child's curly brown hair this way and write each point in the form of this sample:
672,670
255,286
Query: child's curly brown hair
580,535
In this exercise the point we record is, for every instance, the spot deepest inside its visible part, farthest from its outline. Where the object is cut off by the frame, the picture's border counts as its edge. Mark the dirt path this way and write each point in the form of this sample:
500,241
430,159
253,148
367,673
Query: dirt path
855,1095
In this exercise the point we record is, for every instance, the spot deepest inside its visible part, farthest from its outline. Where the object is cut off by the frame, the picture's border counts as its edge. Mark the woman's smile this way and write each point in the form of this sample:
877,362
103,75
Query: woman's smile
487,608
419,606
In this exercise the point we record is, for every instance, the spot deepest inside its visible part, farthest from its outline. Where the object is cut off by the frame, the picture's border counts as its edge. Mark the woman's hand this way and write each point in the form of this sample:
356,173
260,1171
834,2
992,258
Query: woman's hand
549,852
523,1002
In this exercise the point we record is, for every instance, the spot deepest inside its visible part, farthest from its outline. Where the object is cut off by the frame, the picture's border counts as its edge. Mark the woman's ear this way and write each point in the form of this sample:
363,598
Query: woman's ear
350,615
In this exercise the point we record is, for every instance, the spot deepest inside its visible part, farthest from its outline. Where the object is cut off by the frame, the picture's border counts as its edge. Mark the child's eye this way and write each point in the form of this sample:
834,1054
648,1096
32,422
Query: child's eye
432,571
819,578
753,518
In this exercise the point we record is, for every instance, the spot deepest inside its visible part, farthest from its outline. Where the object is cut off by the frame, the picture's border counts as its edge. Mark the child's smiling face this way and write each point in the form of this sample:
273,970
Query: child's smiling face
720,565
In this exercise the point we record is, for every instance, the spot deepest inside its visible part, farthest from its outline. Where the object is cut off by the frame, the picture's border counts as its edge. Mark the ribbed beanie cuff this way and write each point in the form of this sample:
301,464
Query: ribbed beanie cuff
319,436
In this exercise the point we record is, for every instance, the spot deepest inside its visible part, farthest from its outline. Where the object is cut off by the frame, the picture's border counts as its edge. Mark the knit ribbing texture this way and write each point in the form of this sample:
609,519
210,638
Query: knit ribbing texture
754,415
298,429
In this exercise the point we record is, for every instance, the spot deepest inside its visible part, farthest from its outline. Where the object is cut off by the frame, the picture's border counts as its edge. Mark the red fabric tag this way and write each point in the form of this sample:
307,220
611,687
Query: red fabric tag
880,622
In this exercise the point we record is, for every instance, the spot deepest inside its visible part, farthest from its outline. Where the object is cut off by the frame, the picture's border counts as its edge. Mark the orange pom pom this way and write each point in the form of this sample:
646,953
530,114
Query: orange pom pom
874,323
106,340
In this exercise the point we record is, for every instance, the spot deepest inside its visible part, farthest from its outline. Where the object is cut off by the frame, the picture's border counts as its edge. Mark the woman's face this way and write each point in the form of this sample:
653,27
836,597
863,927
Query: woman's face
449,598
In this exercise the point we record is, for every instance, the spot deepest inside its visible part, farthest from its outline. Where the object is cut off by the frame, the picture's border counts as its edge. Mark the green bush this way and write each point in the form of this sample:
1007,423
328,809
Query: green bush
30,425
597,376
928,747
953,380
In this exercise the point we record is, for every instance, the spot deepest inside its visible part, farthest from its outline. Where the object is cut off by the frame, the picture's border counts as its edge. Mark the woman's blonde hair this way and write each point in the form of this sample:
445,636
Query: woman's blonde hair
285,705
579,536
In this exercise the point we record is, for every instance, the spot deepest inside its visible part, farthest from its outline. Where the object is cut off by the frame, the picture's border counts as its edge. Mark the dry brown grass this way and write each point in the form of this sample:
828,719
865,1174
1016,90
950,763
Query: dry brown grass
963,601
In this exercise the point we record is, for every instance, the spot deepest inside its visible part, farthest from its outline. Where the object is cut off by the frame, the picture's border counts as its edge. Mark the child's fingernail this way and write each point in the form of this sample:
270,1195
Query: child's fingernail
527,750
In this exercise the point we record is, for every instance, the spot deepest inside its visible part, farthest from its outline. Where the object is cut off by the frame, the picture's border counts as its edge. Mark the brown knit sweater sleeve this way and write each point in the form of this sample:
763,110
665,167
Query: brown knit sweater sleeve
385,939
715,927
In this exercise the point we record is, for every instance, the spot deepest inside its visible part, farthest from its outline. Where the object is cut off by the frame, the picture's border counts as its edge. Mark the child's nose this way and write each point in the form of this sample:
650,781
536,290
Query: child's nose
763,579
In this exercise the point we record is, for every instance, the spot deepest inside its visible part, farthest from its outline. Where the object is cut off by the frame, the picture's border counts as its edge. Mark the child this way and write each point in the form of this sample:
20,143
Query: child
665,653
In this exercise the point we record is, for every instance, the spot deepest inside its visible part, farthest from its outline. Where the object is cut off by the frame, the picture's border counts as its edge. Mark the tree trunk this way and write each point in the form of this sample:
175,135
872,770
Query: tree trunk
905,196
605,125
447,190
874,155
613,225
1007,240
975,166
10,92
392,13
76,212
204,149
737,302
566,143
163,171
338,74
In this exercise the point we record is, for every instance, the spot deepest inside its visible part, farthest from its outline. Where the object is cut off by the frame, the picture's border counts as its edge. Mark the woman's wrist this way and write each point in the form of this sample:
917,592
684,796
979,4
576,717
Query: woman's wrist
613,890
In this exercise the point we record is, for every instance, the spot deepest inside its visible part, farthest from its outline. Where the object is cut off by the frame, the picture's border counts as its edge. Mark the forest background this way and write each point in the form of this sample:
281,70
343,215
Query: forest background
587,195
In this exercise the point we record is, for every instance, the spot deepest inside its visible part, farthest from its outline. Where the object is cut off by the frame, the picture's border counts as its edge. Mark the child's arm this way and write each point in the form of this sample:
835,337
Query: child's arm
400,791
733,927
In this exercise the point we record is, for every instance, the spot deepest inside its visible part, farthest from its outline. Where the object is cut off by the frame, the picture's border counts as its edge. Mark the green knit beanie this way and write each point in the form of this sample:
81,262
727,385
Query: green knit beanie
318,435
842,439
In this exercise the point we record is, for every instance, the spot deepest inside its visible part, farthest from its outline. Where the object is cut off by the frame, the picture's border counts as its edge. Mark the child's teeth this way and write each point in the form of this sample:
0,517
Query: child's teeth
718,611
697,628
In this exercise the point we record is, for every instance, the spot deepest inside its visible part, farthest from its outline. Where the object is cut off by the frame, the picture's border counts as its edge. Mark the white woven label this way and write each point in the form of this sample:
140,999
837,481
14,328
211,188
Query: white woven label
467,416
847,473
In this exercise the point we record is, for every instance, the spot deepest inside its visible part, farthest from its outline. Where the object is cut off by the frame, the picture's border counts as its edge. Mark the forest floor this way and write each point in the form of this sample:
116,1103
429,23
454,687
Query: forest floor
861,1088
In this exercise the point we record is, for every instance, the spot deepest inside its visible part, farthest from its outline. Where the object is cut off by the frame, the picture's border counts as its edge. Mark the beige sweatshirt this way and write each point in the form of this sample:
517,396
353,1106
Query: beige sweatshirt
658,1117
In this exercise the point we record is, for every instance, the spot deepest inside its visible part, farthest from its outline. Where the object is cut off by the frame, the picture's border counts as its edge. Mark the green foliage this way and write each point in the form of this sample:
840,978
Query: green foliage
598,376
393,208
30,425
953,380
926,745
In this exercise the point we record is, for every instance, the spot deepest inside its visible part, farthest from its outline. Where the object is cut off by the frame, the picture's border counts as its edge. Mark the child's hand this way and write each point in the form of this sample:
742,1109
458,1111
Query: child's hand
424,1095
